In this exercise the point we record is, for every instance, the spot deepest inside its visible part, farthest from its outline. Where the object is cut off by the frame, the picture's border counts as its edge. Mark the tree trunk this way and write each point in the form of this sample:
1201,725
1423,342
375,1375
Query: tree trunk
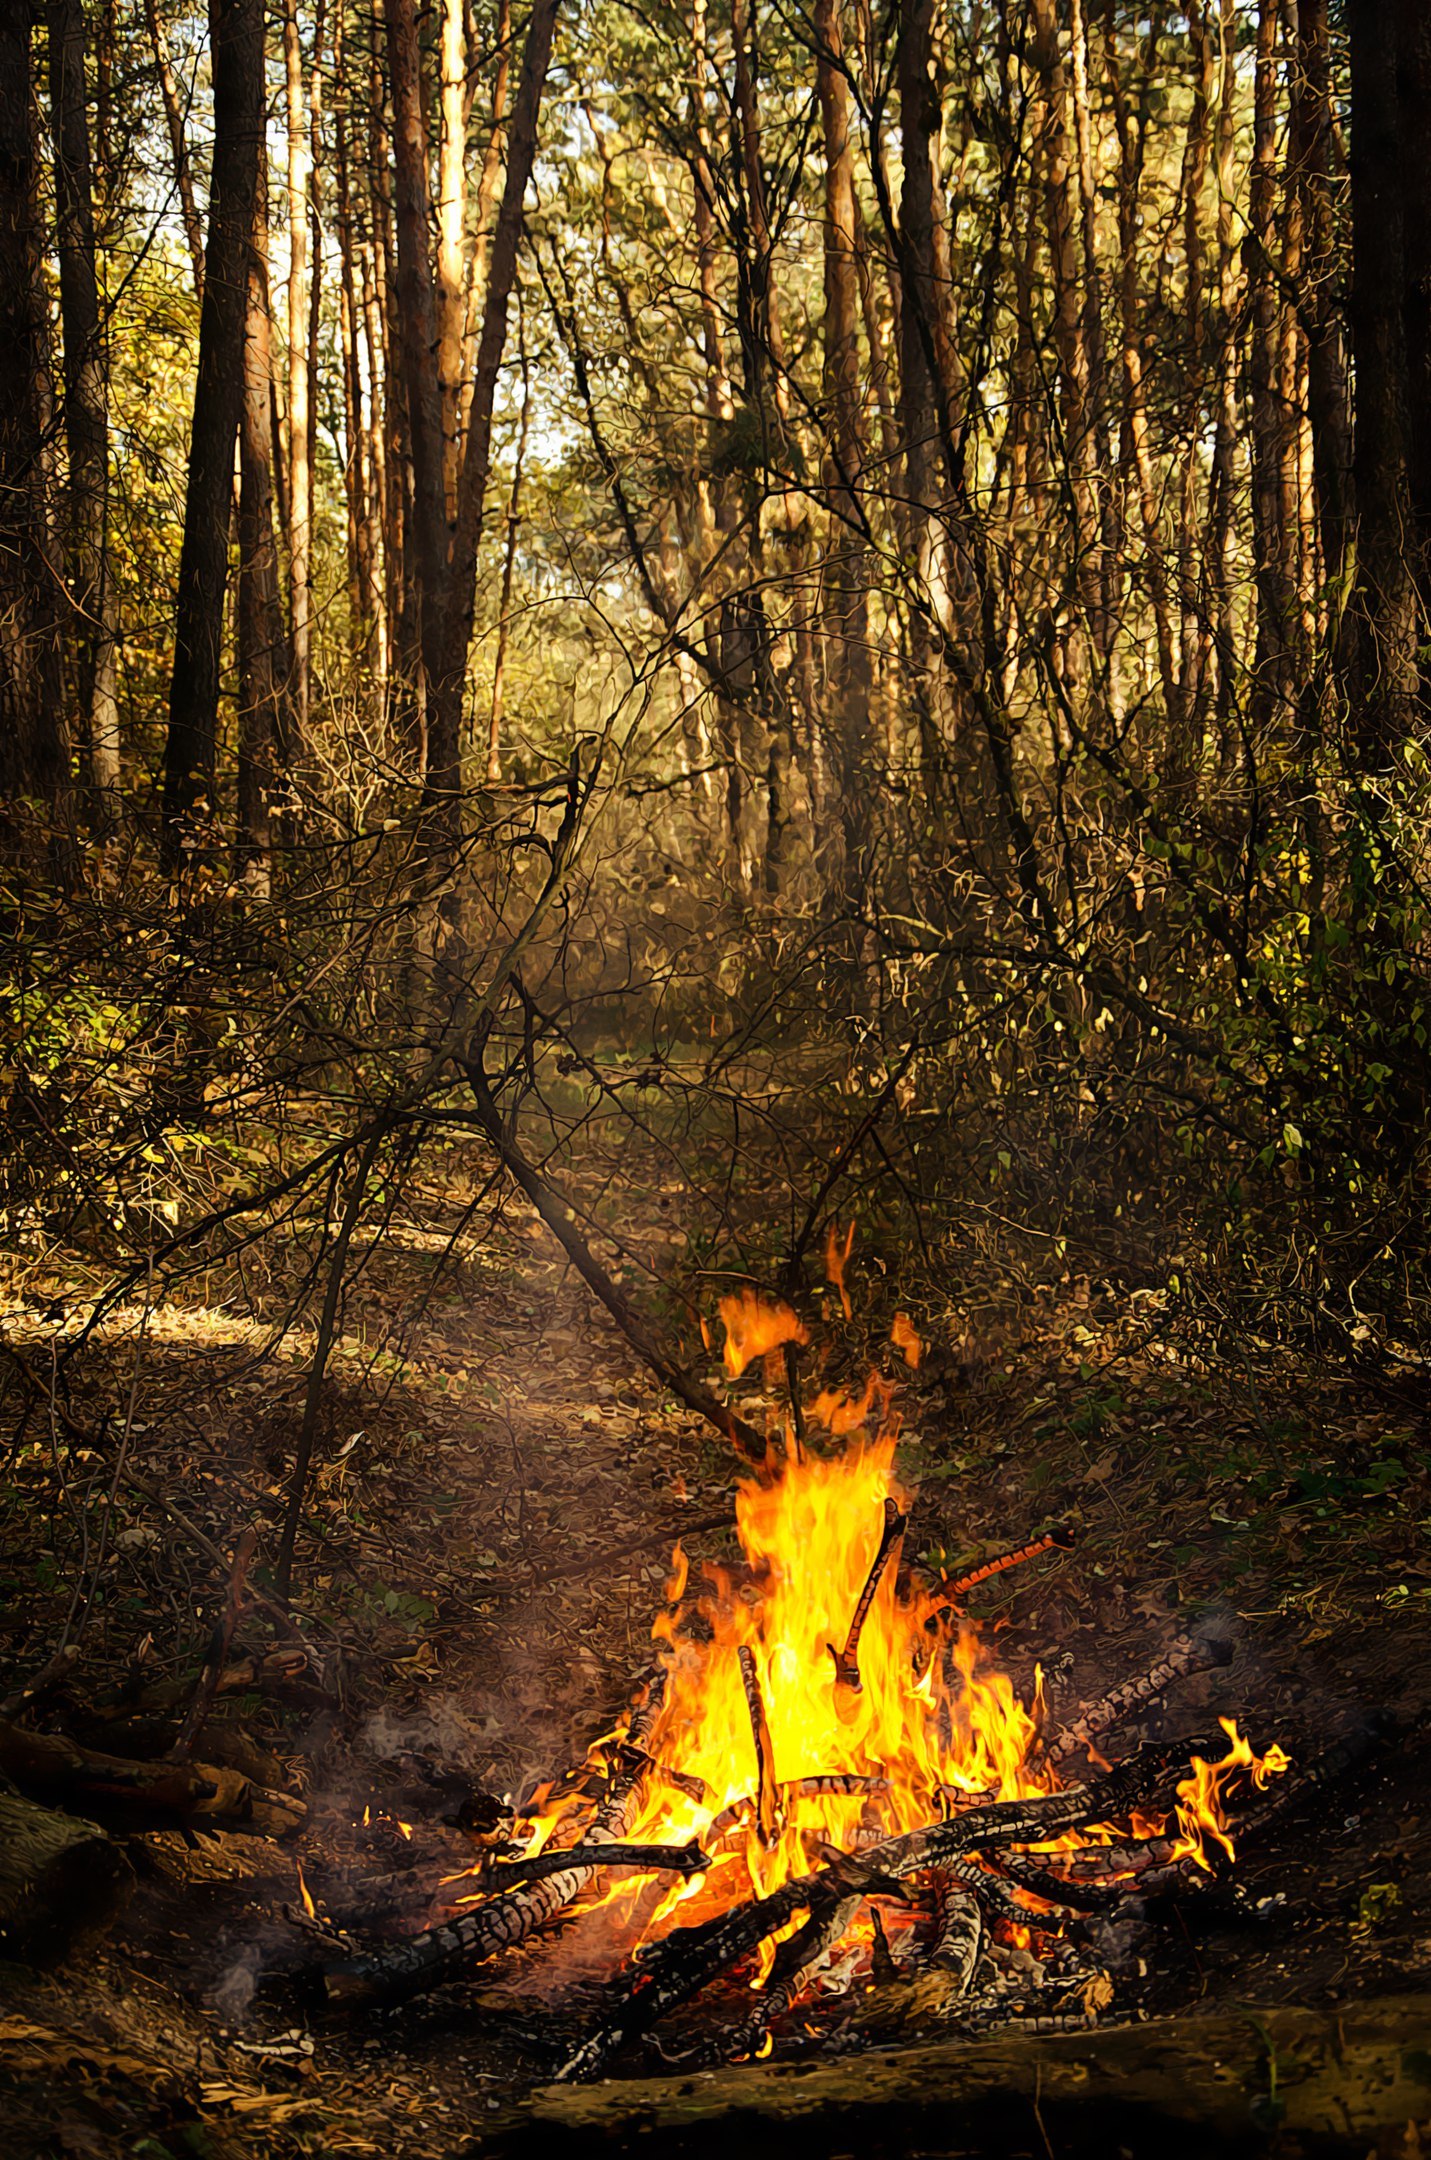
1328,400
451,222
1174,2089
262,647
847,661
86,398
191,748
1414,100
178,146
34,746
447,669
300,471
1381,646
62,1882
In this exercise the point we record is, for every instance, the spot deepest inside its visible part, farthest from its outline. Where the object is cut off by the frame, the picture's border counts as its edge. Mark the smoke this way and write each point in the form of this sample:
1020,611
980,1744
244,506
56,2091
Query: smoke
234,1992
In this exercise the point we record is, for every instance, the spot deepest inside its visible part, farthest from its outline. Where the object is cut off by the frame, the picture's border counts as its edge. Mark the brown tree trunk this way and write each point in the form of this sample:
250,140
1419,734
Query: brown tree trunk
300,471
191,747
846,629
178,146
262,648
447,670
1381,646
1414,100
1328,398
86,398
34,746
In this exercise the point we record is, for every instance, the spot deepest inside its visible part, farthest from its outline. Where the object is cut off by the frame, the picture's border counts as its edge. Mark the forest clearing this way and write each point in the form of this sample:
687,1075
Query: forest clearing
714,795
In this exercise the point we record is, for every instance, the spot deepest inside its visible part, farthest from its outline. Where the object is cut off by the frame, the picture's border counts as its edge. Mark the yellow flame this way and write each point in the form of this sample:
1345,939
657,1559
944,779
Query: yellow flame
754,1326
837,1255
904,1338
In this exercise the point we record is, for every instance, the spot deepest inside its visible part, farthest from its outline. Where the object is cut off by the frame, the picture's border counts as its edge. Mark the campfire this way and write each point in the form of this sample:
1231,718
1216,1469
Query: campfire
829,1781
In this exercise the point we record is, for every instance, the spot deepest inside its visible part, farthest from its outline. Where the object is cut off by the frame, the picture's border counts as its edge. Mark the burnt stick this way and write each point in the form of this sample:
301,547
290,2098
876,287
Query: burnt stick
681,1781
827,1785
958,1930
1059,1539
998,1904
424,1961
685,1962
847,1661
796,1963
767,1799
1185,1655
651,1859
1058,1889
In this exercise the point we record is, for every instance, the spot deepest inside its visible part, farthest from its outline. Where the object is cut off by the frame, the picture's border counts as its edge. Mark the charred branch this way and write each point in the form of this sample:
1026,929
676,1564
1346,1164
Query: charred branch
847,1661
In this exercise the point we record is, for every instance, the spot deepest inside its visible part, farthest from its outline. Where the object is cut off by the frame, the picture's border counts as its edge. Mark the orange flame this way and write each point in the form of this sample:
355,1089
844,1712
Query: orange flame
904,1338
934,1724
837,1255
305,1893
756,1325
1202,1815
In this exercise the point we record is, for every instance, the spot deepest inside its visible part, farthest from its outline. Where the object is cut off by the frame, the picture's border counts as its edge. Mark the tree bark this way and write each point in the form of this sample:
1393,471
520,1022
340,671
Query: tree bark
178,147
1174,2089
191,747
34,744
262,647
847,661
86,399
1381,646
300,470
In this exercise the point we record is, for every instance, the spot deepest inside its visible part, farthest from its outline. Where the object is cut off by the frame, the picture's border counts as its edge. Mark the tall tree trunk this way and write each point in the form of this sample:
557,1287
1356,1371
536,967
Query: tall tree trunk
509,566
1414,101
447,672
300,471
191,746
1328,398
1382,622
847,665
262,654
417,320
34,745
86,398
174,118
451,222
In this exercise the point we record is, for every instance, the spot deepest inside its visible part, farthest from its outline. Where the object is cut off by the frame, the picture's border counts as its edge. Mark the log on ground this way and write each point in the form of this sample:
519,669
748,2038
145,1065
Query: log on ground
1337,2082
62,1882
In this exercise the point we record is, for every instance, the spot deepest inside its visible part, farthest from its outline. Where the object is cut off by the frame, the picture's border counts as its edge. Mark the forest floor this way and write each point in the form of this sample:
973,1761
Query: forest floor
496,1516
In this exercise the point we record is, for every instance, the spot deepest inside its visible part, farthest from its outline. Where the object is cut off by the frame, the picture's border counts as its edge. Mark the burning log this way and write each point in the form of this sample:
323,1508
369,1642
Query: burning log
796,1963
424,1961
997,1904
1185,1655
958,1930
1059,1539
1058,1889
646,1859
827,1785
680,1781
689,1959
847,1661
767,1802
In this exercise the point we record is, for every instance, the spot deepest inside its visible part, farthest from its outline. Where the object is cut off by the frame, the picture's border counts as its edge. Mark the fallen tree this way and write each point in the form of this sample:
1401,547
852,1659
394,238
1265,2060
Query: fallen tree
1335,2082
